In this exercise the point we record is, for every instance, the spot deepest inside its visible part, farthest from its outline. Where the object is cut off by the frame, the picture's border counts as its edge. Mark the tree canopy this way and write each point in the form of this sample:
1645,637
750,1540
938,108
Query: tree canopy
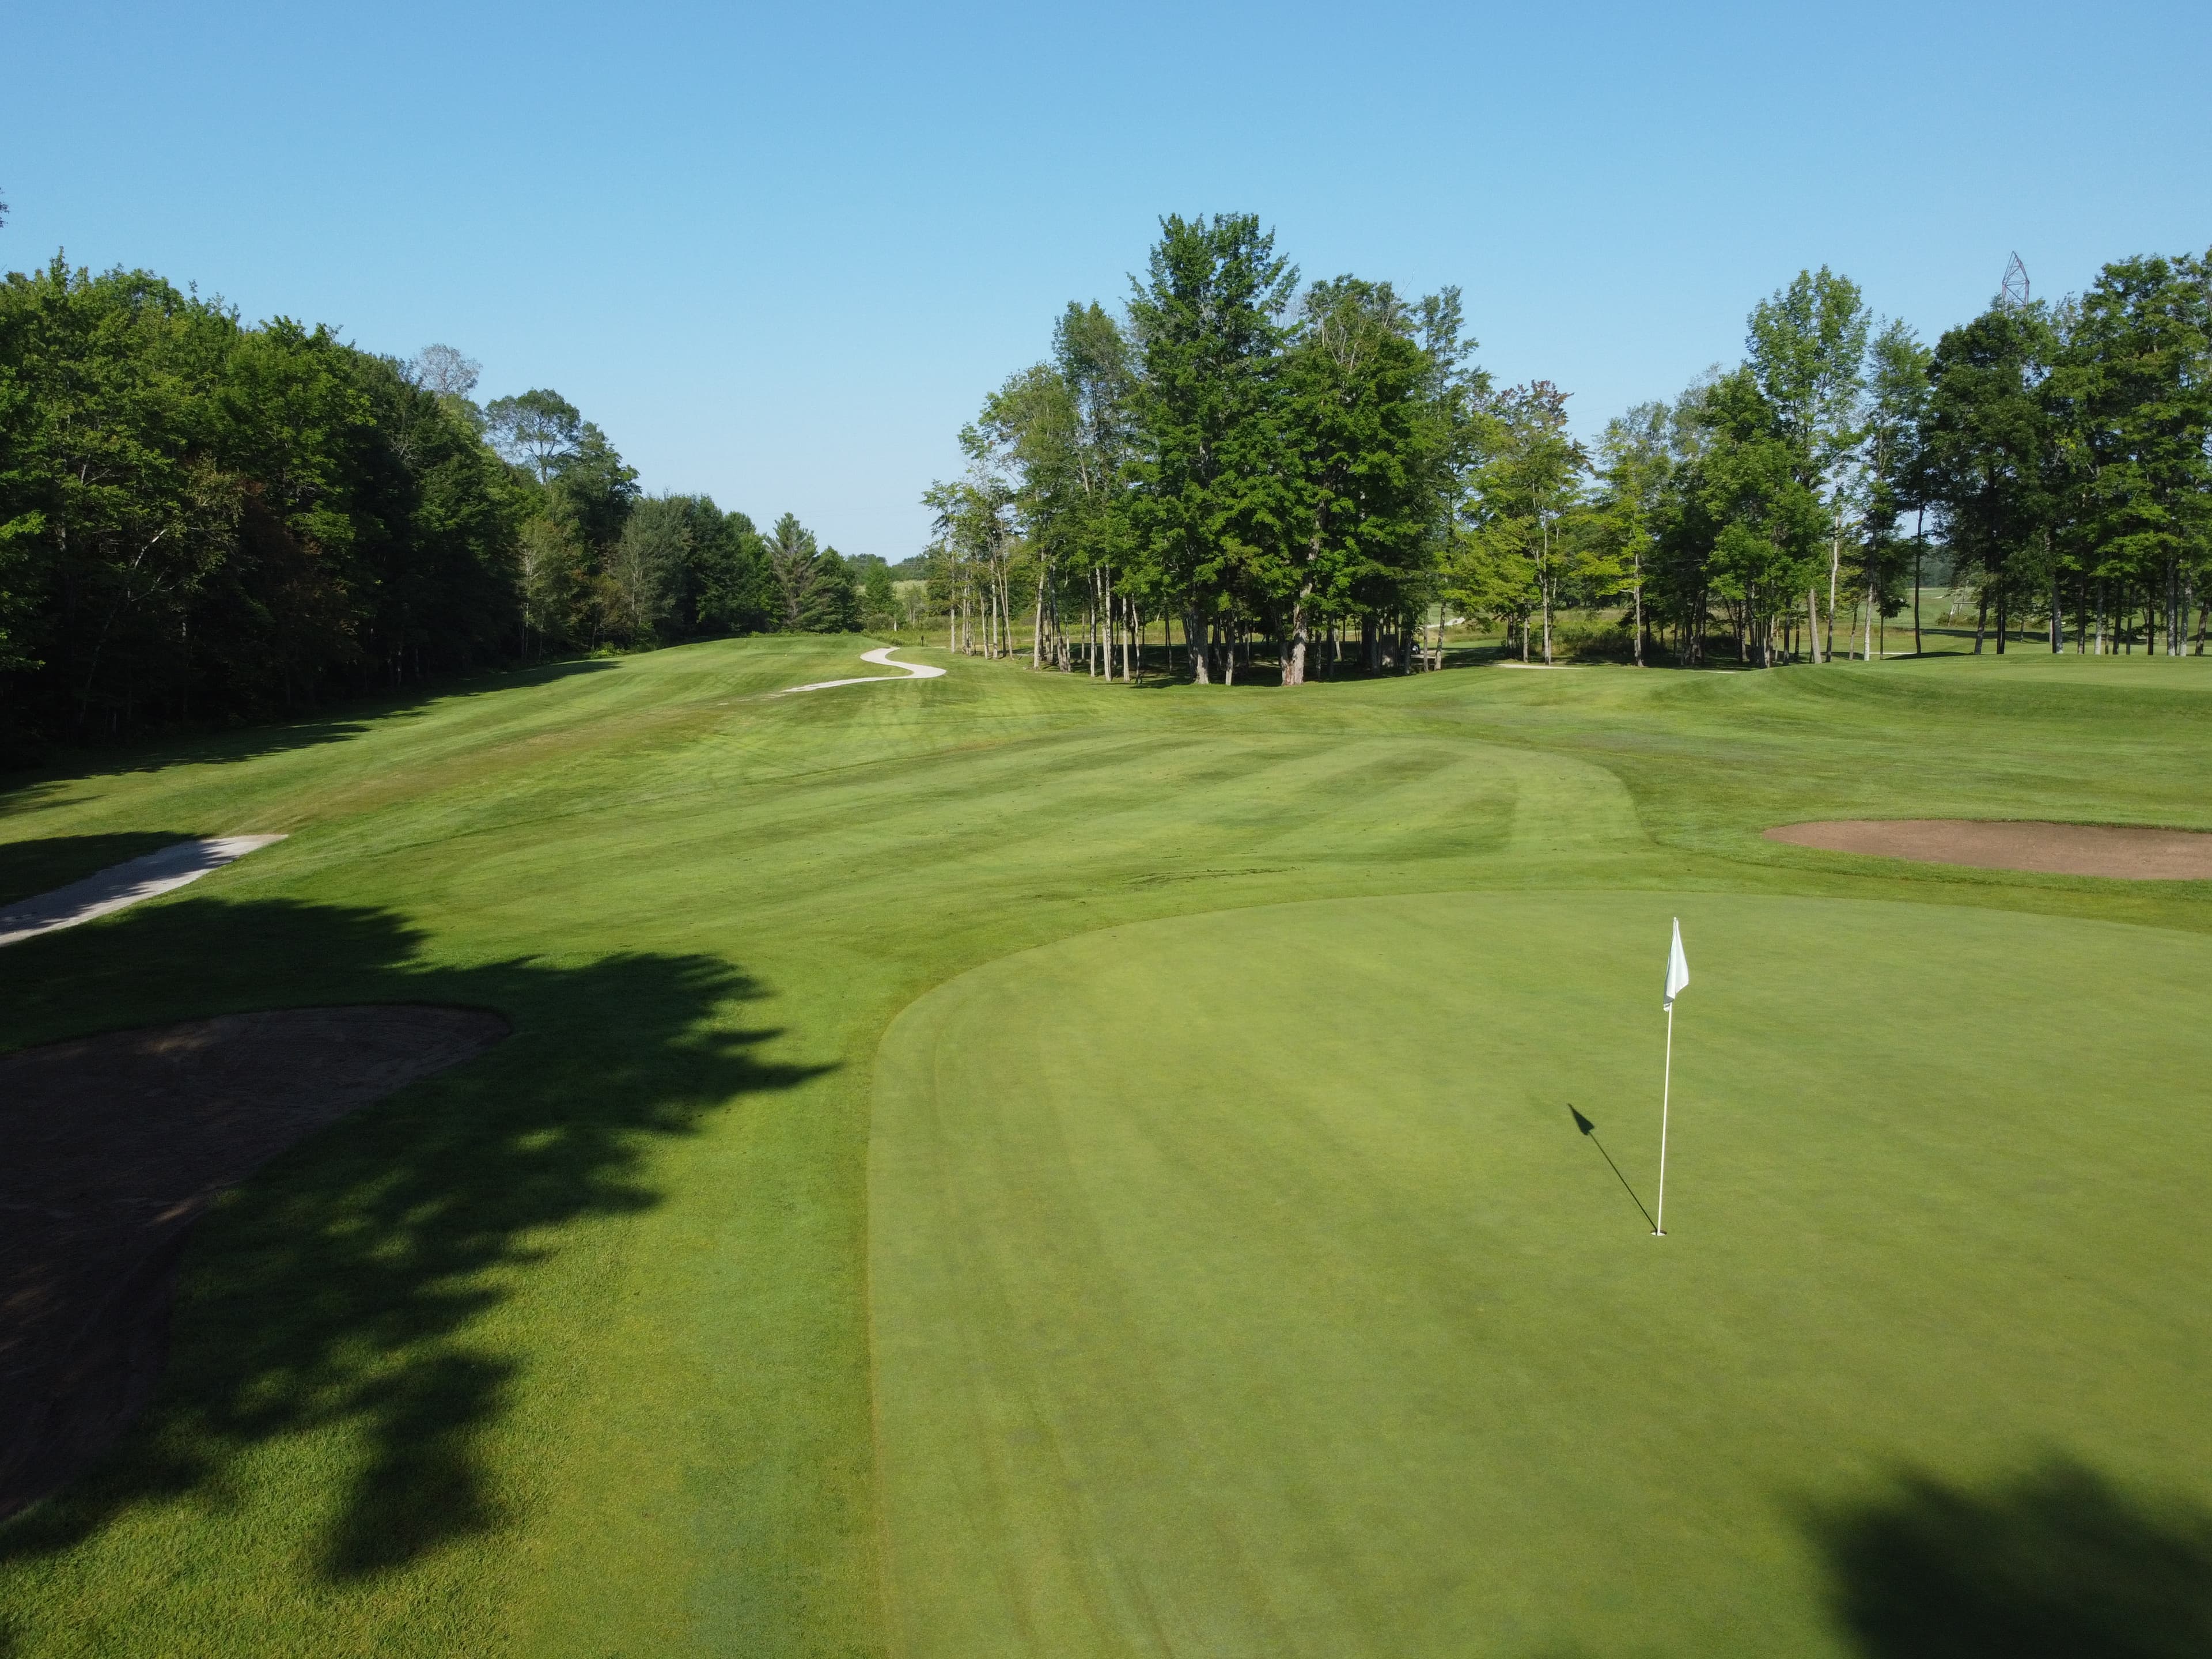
1280,466
206,520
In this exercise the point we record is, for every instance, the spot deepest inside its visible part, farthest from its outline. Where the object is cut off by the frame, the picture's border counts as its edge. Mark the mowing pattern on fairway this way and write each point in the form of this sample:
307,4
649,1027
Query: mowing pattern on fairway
567,1351
1226,1305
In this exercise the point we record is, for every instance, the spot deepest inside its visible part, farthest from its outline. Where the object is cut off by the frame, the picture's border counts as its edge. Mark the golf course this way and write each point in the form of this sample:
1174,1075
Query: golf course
1005,1164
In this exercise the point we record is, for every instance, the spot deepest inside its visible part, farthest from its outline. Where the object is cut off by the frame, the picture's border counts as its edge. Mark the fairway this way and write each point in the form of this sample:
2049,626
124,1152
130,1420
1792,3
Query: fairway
1107,947
1241,1285
1005,1164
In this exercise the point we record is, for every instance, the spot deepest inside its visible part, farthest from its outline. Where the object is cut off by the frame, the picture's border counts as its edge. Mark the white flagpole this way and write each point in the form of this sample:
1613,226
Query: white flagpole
1665,1088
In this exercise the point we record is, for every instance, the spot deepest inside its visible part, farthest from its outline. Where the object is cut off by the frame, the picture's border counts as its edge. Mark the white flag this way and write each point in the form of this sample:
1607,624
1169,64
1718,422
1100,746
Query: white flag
1678,967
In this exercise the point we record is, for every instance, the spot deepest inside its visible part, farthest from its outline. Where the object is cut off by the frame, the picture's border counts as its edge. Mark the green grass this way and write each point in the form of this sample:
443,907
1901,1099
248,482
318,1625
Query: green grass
1271,1304
570,1351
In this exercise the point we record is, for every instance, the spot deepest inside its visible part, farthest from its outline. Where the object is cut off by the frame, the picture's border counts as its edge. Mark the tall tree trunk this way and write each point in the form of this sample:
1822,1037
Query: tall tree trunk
1193,636
1918,525
1835,564
1639,618
1037,633
1813,624
1294,660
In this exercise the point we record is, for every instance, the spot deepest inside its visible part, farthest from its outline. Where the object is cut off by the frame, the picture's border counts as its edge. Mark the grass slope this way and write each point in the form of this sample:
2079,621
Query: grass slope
569,1351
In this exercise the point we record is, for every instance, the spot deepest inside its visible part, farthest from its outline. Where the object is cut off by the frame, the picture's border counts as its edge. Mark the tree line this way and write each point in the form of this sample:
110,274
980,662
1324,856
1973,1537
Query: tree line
1312,475
1267,467
206,521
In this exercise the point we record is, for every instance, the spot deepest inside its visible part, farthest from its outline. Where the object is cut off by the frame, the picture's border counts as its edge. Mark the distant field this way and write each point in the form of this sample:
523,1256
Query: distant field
1011,1164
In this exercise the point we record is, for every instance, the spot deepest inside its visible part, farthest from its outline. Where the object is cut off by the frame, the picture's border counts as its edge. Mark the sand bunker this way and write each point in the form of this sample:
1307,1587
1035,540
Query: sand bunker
116,1145
2057,850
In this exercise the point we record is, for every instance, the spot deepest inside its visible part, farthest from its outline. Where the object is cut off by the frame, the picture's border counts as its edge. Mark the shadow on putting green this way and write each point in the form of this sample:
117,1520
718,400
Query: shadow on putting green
2055,1562
334,1300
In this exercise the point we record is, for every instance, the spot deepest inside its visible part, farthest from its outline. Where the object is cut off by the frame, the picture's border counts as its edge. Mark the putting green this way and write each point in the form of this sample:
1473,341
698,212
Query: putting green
1239,1285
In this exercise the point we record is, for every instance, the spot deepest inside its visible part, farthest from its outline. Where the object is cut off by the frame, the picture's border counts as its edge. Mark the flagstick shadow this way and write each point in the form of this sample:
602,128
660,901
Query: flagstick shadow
1589,1134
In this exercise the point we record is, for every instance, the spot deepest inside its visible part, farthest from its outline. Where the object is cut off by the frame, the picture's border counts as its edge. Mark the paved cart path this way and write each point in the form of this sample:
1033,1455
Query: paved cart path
912,671
124,884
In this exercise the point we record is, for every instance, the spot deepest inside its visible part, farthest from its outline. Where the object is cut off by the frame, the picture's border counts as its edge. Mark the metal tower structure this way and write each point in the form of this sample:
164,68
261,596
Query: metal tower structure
2015,282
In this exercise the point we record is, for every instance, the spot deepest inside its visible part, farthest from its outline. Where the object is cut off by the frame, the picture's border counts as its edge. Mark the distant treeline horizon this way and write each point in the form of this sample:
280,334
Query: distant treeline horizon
1293,472
204,522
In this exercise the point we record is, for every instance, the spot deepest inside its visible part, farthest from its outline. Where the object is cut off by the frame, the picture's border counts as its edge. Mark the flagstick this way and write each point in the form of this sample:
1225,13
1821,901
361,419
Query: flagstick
1665,1088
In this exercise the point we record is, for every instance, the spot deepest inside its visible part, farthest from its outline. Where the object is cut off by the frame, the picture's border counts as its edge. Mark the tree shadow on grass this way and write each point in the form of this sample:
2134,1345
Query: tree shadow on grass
2058,1561
340,1288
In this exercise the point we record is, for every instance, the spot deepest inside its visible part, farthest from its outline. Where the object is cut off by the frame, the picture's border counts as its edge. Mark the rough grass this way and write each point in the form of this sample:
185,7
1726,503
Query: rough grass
568,1350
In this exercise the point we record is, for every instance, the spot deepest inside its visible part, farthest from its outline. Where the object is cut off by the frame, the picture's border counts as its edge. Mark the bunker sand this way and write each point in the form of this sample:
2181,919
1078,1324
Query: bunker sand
2057,850
118,1144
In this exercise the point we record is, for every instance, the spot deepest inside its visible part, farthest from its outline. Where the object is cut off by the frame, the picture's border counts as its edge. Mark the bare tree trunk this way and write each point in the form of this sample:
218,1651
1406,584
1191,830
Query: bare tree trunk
1919,523
1193,646
1294,660
1640,617
1036,630
1835,564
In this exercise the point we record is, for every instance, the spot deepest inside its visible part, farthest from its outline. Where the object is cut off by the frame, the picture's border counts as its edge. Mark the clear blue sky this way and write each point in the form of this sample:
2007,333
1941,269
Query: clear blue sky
780,253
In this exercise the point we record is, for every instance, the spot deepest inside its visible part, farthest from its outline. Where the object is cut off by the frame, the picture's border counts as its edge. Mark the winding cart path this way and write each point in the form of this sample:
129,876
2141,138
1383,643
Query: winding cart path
911,670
